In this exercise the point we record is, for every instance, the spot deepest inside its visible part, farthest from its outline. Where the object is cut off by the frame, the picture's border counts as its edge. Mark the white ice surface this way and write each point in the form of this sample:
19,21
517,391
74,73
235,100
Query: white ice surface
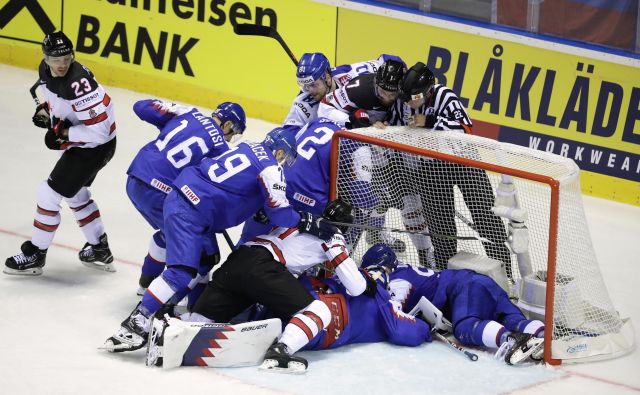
51,326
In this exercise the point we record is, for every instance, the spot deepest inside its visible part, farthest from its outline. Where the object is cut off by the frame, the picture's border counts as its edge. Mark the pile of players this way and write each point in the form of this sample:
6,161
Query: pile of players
189,190
191,183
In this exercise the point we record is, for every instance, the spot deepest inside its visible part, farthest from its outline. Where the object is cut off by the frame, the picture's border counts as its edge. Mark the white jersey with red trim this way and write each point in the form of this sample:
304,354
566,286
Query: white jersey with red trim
302,251
81,101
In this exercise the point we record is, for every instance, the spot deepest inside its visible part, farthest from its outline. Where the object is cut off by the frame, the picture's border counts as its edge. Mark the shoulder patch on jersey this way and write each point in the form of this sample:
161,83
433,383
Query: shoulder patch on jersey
189,194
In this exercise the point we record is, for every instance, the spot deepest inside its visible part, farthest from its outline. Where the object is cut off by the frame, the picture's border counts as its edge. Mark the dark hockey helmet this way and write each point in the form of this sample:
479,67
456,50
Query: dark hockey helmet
282,139
311,67
339,211
389,75
416,83
230,111
380,255
57,44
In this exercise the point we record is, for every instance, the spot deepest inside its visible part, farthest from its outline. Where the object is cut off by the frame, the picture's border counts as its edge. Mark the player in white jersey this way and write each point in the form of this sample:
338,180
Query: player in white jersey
423,103
264,271
80,123
316,79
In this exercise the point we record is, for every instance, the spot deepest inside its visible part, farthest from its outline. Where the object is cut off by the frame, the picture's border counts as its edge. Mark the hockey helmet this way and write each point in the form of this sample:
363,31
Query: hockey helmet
230,111
380,255
389,75
416,83
339,211
282,139
57,44
311,67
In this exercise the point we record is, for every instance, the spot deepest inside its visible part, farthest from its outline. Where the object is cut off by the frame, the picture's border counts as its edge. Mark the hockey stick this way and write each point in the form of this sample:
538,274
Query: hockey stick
247,29
32,90
472,356
228,239
436,235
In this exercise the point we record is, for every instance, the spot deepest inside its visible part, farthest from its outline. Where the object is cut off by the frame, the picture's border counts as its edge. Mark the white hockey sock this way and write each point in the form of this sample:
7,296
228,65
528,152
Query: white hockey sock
490,334
305,325
86,212
413,219
47,218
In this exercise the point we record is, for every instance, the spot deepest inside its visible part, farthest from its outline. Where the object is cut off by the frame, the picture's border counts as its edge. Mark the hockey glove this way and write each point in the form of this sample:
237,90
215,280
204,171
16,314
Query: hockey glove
430,118
359,119
372,285
41,116
316,225
54,138
261,217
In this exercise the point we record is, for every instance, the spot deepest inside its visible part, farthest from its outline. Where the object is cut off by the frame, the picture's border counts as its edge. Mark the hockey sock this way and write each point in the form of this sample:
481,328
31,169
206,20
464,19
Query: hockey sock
475,332
47,218
305,325
173,283
534,327
155,260
86,212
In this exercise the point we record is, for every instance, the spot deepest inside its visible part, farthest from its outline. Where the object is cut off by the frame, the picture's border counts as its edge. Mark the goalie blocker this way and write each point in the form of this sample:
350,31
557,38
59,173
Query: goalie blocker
173,342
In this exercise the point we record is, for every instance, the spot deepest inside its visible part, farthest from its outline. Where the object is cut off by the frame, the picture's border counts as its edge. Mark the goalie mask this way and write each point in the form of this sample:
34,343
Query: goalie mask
339,211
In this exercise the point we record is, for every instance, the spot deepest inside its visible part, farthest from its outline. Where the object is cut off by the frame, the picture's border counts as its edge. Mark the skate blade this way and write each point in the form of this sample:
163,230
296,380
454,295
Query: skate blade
113,345
293,367
104,267
36,271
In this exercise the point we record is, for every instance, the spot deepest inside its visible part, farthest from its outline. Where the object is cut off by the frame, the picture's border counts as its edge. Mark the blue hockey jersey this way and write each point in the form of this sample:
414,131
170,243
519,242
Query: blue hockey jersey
186,136
229,189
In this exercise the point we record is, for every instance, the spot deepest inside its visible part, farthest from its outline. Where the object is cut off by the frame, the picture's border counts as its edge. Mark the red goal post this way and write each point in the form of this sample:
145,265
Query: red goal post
562,285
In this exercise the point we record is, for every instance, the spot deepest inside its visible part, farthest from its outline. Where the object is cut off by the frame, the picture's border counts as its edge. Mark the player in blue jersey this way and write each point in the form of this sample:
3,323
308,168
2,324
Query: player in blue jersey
317,78
479,311
186,136
304,192
217,194
362,319
308,177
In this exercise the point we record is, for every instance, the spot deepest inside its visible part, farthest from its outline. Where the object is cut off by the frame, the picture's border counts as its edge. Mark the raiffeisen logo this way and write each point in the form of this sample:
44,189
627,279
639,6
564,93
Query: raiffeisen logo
578,348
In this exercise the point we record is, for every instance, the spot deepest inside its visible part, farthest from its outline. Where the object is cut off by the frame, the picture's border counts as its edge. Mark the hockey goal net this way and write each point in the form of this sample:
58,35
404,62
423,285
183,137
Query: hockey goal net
442,187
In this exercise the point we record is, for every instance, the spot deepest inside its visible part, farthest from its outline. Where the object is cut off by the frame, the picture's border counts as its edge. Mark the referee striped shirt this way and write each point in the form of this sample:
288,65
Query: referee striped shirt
443,102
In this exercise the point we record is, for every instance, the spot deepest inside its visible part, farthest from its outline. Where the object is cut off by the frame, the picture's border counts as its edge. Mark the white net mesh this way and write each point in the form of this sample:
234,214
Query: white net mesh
452,196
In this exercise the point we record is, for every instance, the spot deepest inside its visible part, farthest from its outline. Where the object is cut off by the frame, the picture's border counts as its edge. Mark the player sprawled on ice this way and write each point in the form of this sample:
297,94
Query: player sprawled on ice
472,305
185,137
79,119
316,78
424,103
264,271
216,194
308,176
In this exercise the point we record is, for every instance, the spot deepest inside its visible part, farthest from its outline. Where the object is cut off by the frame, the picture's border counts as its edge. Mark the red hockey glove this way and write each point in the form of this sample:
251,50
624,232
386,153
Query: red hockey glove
359,119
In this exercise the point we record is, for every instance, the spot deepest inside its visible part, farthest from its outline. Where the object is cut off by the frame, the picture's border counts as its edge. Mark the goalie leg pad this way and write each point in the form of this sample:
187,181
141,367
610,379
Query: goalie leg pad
216,345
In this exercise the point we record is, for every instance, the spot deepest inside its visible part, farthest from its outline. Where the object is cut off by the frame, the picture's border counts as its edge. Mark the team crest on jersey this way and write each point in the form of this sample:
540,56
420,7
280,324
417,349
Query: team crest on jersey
344,79
193,198
93,113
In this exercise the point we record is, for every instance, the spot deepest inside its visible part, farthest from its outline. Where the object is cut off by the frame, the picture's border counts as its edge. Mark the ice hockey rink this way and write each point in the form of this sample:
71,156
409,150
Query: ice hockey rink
52,325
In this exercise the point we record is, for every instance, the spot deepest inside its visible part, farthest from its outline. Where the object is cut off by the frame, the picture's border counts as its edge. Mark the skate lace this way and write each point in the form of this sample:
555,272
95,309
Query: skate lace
87,251
21,259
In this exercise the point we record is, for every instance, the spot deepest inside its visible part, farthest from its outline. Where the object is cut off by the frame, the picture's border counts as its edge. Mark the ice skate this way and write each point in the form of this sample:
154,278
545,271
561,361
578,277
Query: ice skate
97,256
519,347
277,359
131,336
28,263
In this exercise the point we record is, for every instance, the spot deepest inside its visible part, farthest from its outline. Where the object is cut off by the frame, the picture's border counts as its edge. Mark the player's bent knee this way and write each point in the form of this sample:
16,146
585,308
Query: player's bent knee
47,198
320,309
178,277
